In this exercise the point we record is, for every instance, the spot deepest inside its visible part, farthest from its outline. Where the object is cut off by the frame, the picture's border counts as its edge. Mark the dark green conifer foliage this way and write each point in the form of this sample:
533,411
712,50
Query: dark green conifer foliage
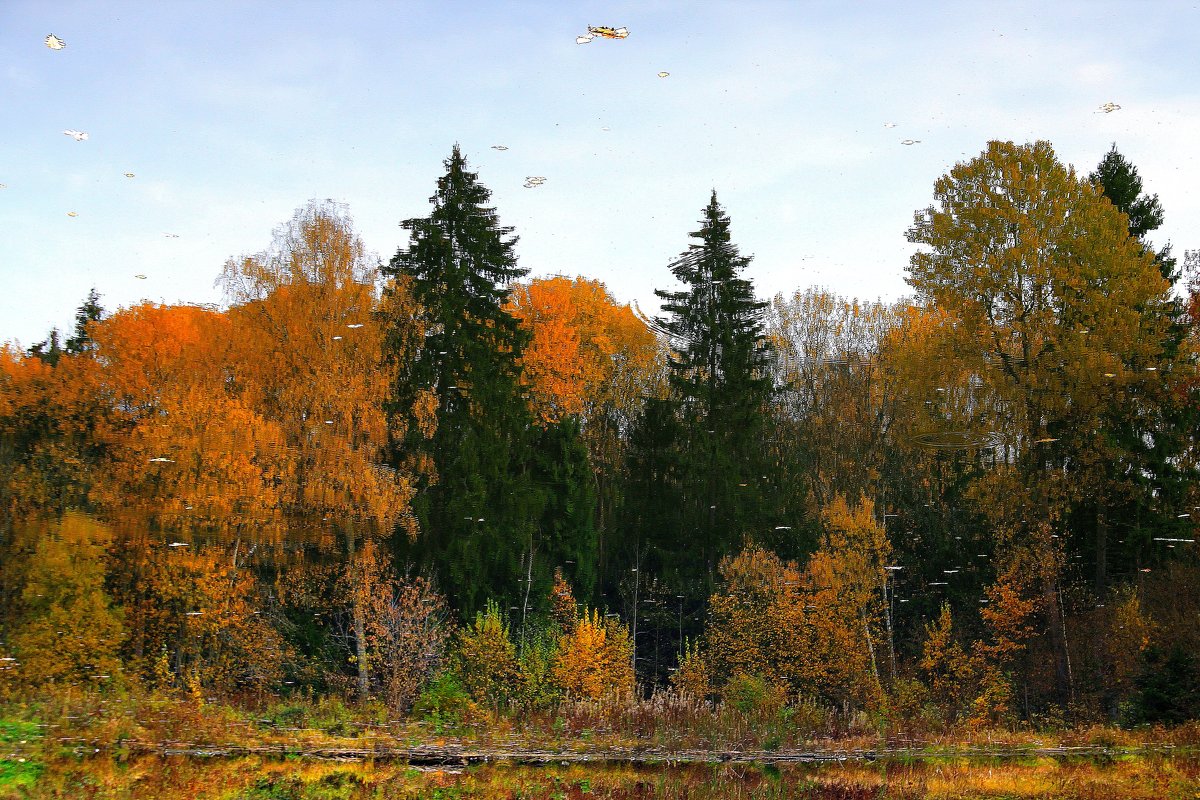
48,350
1123,187
481,514
717,487
1144,486
90,311
51,349
568,538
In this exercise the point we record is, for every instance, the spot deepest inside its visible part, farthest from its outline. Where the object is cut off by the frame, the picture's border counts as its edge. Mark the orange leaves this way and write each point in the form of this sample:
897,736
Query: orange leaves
148,348
581,340
221,639
1011,606
195,453
974,681
813,630
425,412
562,601
595,658
309,358
54,422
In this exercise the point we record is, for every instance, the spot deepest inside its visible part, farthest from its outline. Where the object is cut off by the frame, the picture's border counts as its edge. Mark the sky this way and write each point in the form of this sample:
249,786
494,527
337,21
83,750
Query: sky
231,115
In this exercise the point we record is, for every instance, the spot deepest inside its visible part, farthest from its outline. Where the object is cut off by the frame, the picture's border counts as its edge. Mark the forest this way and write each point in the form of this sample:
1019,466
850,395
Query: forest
435,488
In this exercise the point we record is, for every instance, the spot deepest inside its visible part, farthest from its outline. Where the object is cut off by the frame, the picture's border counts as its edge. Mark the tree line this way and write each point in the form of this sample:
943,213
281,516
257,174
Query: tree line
372,479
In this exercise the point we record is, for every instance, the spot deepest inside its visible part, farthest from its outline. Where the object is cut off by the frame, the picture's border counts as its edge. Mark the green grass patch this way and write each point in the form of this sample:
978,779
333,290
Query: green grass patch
20,743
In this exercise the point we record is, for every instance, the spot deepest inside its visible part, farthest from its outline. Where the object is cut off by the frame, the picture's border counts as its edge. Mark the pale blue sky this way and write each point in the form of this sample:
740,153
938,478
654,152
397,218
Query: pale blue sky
233,114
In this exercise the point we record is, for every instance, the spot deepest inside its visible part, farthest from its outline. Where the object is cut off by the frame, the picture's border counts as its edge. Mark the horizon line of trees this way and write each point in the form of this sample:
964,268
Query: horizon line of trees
982,498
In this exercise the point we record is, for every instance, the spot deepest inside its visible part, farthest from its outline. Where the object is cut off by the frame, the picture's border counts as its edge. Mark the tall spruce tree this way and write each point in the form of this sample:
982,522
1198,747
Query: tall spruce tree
480,508
712,474
1140,487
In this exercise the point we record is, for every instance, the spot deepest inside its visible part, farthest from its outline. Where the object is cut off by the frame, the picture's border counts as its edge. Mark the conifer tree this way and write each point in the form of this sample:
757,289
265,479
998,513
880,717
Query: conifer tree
1122,185
1140,485
49,351
90,311
713,476
477,507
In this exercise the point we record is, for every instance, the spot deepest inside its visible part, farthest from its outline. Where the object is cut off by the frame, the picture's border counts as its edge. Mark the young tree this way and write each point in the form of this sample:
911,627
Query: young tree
594,658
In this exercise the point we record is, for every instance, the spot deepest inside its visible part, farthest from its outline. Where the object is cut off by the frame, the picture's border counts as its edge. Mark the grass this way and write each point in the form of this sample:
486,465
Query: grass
662,724
20,755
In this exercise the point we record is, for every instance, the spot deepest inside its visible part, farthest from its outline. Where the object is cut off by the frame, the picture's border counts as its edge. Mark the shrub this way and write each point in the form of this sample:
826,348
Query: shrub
595,658
754,695
444,701
487,660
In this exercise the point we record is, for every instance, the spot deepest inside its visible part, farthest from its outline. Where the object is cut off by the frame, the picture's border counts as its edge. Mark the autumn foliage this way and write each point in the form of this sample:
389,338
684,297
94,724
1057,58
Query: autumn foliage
976,506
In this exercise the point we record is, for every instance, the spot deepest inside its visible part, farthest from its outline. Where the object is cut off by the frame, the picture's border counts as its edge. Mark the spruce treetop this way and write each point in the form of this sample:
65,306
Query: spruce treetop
715,322
461,244
1121,184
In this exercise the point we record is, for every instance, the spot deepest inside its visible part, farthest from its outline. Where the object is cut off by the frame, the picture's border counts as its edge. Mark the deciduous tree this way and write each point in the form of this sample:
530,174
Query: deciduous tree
1042,272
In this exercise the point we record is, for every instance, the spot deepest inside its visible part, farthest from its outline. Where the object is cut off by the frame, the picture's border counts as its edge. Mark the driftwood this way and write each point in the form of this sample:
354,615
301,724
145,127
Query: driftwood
450,755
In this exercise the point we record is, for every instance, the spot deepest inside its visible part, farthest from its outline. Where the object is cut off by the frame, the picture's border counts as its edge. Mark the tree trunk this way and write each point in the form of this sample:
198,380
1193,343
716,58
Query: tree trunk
1101,577
360,623
1058,639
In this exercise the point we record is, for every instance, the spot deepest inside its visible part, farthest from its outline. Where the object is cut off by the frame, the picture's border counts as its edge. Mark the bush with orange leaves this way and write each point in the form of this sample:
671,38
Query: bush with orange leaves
812,631
595,658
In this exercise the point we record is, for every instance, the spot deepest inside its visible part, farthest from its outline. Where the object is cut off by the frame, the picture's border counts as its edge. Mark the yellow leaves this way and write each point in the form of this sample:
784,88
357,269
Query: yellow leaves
595,659
487,659
1029,256
69,632
693,678
943,661
810,629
